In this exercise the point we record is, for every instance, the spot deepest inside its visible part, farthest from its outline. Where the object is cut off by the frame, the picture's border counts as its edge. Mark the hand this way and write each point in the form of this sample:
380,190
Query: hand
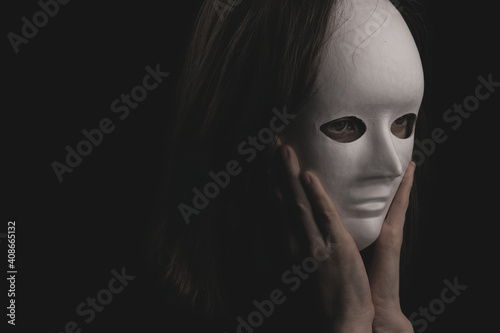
351,299
384,267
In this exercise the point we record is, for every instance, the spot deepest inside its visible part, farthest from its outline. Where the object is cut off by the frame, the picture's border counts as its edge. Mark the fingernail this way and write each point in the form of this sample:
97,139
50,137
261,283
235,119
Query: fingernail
306,178
412,166
284,153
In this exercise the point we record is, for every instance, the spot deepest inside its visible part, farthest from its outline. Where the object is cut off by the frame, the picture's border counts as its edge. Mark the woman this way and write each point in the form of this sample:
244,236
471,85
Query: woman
268,206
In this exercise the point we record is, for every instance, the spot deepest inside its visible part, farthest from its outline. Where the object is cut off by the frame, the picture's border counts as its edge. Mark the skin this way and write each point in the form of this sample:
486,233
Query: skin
384,73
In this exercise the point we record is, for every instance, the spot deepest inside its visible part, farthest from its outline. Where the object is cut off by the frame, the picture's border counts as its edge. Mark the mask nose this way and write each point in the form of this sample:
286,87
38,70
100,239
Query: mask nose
385,160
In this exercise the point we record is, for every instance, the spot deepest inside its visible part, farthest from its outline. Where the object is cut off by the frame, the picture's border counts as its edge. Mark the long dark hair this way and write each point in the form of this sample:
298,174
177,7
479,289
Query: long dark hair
241,64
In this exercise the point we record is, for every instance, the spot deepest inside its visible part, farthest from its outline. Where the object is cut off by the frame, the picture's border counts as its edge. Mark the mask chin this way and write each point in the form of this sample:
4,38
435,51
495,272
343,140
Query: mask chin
364,231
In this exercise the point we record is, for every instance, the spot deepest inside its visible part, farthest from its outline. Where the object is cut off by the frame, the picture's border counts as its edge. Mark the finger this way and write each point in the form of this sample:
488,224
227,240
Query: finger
295,199
391,235
384,268
324,211
399,205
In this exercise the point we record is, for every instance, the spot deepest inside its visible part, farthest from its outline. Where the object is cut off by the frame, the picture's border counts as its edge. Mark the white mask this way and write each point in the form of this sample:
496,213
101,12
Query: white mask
371,79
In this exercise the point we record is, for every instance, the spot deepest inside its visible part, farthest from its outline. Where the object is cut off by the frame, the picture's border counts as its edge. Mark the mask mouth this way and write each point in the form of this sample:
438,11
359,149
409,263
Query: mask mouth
368,201
368,190
371,207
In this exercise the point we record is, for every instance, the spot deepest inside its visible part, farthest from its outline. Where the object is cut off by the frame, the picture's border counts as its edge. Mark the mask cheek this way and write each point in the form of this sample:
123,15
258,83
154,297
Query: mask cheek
316,153
337,165
334,169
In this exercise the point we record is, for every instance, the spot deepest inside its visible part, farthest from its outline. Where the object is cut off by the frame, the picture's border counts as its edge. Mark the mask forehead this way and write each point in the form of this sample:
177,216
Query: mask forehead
371,65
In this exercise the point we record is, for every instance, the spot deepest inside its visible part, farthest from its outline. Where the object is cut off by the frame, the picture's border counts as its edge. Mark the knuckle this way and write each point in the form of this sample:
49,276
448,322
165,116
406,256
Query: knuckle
300,207
392,237
327,214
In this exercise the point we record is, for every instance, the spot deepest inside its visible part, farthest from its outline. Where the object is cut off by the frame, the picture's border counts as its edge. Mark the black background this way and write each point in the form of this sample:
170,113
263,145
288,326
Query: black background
70,235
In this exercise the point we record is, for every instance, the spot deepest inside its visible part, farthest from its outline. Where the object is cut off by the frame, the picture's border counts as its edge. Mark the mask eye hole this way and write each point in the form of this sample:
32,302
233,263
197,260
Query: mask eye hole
346,129
403,126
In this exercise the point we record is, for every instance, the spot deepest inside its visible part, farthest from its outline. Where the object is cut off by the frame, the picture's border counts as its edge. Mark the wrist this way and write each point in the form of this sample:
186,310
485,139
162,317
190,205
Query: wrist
352,324
351,327
395,322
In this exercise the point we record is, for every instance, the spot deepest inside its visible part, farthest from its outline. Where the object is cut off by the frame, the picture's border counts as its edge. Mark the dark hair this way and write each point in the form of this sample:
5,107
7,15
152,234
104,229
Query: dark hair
261,55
